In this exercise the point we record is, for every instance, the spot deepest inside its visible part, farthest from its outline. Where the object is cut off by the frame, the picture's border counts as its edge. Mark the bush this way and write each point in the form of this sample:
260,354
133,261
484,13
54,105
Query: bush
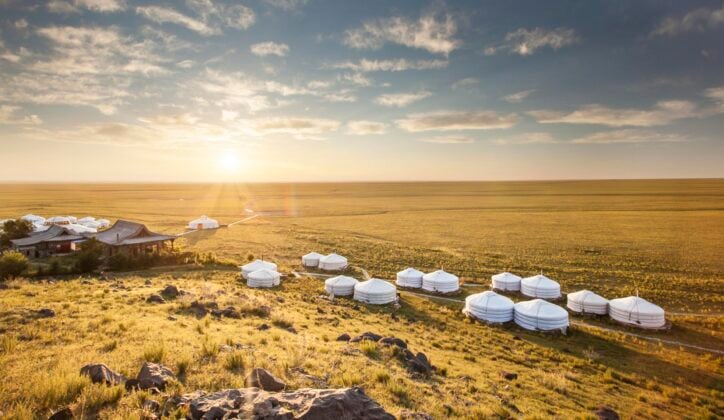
14,229
89,257
12,264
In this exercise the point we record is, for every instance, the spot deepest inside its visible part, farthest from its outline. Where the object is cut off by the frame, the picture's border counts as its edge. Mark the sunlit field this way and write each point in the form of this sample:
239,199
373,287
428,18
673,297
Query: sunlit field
661,239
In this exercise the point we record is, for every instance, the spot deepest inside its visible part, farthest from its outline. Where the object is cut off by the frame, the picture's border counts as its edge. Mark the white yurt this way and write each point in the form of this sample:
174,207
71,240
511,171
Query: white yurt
340,285
375,291
104,223
34,219
410,277
539,315
72,219
84,220
440,281
203,222
636,311
91,224
540,286
40,227
489,306
257,265
79,229
332,262
263,278
311,259
58,220
587,302
506,281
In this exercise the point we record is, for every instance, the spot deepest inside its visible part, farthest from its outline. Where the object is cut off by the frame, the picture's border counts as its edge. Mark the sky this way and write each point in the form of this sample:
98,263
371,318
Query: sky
331,90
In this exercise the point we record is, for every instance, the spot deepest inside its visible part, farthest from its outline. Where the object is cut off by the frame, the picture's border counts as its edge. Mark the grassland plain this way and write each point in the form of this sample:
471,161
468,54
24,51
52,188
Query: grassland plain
662,238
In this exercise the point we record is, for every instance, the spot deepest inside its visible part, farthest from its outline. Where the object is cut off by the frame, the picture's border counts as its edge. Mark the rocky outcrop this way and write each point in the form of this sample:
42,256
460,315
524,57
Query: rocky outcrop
154,375
102,374
309,404
170,292
417,363
606,413
262,378
393,341
46,313
155,298
366,336
344,337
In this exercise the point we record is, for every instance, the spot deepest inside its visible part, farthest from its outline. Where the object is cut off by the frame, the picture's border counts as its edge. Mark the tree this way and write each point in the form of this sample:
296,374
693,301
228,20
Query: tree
89,256
12,264
14,229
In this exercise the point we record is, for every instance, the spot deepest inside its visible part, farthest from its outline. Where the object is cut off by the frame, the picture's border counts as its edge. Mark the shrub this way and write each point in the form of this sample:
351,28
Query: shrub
14,229
89,257
155,353
12,264
234,361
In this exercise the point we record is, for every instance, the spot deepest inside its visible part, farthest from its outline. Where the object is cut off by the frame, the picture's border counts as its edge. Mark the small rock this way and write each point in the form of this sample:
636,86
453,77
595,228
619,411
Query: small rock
226,348
418,363
393,341
216,313
280,299
509,376
148,282
263,327
320,310
231,312
62,414
170,291
343,337
172,318
413,415
154,375
262,378
99,373
132,384
606,413
366,336
151,406
154,298
46,313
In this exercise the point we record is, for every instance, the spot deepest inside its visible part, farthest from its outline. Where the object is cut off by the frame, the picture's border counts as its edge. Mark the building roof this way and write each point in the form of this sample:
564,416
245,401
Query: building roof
53,234
124,232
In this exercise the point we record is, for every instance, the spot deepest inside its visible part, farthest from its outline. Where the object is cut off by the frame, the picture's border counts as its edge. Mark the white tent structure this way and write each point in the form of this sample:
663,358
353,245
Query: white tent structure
332,262
638,312
410,277
540,286
340,285
490,307
257,265
104,223
312,259
58,220
34,219
90,224
539,315
505,281
375,291
203,222
587,302
80,229
72,219
440,281
263,278
86,219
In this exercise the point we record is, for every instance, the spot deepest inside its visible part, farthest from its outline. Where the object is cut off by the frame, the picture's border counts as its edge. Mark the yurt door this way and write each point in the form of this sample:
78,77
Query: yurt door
200,226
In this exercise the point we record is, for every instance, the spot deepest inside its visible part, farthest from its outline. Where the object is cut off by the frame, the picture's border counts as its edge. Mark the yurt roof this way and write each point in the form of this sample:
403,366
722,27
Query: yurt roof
33,218
636,304
104,221
259,265
313,255
263,274
410,272
333,258
78,229
341,281
203,219
87,219
375,286
489,299
441,276
541,281
587,296
505,276
539,308
58,219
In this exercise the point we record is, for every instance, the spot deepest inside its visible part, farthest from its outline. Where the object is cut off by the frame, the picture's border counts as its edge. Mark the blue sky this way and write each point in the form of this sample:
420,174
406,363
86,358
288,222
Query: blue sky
294,90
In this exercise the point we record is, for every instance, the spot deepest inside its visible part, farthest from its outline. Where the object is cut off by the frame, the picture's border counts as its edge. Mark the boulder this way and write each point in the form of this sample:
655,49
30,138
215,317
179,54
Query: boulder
154,375
151,406
46,313
309,404
417,363
393,341
231,312
262,378
170,292
154,298
99,373
510,376
344,337
366,336
263,327
606,413
64,413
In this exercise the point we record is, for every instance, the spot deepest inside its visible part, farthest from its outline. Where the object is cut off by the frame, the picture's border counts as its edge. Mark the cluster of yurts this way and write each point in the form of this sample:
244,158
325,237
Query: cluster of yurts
489,306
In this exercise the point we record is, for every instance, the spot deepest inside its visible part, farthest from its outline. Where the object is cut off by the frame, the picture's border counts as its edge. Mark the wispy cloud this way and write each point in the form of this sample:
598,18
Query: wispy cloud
160,14
432,32
466,82
456,120
402,99
663,113
9,115
264,49
364,128
400,64
102,6
448,140
286,5
528,138
302,128
697,20
716,94
211,16
341,96
518,97
630,136
525,41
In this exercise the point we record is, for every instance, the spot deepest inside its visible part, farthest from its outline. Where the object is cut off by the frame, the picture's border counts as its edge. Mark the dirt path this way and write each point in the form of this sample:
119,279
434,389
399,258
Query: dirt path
243,220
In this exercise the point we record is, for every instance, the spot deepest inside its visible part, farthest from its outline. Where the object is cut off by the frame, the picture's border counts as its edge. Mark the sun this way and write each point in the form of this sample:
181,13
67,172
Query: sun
229,163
